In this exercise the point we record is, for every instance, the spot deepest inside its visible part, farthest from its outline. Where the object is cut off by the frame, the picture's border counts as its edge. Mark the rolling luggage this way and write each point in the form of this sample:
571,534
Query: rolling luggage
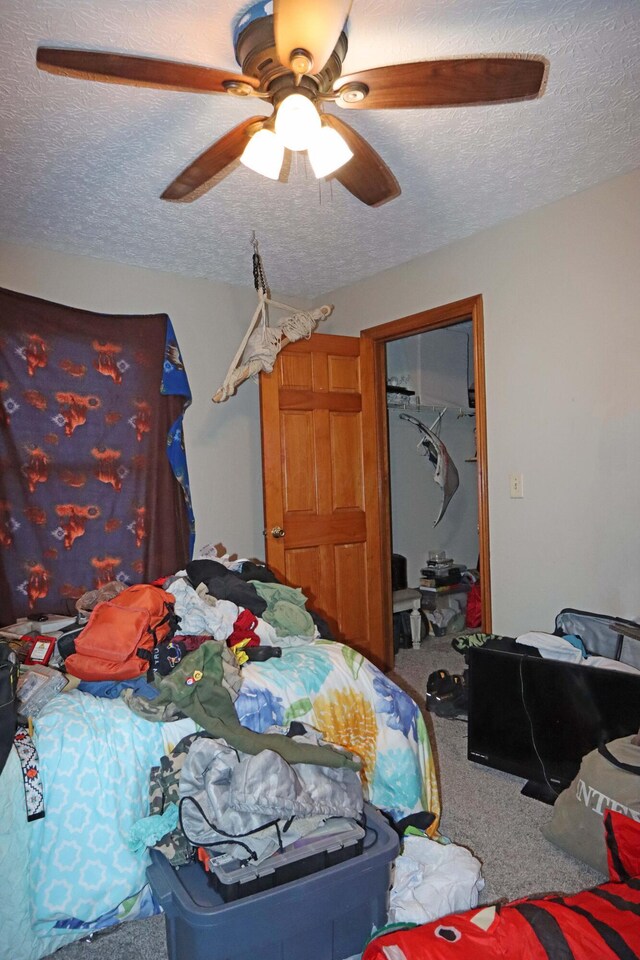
602,635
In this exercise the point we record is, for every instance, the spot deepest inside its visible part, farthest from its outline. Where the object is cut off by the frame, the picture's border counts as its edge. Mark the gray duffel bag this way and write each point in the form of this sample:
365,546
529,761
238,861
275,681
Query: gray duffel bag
608,779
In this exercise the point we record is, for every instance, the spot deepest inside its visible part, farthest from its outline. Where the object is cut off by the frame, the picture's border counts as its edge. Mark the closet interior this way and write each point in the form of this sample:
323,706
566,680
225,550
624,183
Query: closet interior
432,444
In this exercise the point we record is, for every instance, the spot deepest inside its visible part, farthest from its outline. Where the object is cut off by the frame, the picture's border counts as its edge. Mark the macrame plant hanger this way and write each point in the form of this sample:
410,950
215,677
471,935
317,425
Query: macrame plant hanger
263,341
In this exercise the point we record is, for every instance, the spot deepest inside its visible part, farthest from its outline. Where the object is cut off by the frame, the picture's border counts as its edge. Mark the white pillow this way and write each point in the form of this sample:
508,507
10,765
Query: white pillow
551,647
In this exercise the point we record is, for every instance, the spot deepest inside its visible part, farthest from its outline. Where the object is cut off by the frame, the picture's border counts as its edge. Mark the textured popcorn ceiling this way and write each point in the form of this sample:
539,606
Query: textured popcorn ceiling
82,164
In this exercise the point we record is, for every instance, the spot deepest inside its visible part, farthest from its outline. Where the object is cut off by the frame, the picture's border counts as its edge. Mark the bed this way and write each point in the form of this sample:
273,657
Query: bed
72,872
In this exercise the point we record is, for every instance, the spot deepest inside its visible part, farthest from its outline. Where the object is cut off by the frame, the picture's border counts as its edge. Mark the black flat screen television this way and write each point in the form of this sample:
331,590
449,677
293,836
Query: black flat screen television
536,718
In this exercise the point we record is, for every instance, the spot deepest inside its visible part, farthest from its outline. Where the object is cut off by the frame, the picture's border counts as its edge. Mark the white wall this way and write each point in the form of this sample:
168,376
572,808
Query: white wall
222,440
561,291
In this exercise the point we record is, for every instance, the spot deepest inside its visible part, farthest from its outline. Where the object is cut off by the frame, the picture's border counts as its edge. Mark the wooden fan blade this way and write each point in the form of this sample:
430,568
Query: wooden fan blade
448,83
310,25
366,175
213,165
135,71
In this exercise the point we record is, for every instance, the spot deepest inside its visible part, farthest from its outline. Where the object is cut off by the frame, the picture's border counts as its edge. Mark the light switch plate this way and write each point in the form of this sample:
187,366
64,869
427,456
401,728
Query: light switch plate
516,486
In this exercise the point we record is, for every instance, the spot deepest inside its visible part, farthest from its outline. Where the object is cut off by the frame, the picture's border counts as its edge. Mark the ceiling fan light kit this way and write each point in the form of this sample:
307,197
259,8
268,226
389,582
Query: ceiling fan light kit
297,122
327,152
264,154
293,59
298,126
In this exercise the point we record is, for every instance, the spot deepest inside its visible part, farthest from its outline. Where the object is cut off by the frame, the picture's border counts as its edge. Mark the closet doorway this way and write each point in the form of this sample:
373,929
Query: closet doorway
427,353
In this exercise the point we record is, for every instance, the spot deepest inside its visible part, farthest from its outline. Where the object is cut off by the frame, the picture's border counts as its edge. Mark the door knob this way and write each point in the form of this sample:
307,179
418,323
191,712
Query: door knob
277,532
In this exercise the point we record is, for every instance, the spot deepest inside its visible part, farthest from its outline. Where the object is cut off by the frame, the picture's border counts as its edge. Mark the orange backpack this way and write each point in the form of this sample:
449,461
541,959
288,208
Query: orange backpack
118,640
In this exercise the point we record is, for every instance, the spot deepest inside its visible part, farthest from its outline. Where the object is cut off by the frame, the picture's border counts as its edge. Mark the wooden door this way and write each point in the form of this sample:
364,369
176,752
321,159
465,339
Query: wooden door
322,512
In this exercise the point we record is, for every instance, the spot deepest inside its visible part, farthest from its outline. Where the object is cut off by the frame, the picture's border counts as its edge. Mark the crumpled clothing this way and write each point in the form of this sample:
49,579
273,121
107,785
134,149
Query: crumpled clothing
244,629
207,817
151,709
173,732
577,643
225,584
239,652
266,633
191,641
195,687
89,600
149,830
203,592
232,803
249,570
606,663
286,609
198,616
164,782
266,782
231,674
168,654
433,879
111,689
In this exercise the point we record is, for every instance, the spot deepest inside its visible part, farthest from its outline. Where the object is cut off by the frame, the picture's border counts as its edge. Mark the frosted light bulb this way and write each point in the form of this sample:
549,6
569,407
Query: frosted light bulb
297,122
328,152
264,153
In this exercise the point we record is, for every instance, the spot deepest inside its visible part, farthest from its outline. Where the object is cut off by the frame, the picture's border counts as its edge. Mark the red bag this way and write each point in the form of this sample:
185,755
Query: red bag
622,835
118,640
473,617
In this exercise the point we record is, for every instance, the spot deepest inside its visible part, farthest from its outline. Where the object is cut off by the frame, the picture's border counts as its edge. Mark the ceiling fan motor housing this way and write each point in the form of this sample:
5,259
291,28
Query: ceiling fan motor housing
255,49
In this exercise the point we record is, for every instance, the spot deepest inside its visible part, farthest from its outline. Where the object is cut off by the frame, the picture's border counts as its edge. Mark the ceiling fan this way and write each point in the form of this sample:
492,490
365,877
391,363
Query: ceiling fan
293,60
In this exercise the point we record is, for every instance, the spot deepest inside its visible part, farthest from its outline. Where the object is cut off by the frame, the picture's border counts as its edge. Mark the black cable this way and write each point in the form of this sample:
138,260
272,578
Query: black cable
232,836
533,739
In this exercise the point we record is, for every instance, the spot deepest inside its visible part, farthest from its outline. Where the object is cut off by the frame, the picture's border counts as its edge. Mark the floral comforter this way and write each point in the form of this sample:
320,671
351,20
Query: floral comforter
340,692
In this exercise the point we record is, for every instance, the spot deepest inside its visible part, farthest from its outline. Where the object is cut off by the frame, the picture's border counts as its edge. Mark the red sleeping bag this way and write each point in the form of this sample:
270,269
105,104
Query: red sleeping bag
598,924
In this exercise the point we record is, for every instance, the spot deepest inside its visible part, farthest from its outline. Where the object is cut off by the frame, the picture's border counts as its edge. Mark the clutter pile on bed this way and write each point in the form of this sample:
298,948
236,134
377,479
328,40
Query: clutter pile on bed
96,778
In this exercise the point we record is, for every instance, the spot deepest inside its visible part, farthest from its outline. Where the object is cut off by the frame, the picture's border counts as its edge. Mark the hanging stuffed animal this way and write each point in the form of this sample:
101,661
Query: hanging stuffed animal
262,344
446,475
260,347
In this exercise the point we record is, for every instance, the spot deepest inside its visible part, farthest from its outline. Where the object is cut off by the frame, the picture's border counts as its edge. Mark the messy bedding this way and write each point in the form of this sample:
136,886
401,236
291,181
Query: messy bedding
81,866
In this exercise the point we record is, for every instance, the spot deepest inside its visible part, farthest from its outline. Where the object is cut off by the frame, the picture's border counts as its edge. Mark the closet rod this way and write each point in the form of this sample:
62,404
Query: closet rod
436,407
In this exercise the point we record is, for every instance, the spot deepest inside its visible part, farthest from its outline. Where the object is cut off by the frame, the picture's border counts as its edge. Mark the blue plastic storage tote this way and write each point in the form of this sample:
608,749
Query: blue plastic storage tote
329,915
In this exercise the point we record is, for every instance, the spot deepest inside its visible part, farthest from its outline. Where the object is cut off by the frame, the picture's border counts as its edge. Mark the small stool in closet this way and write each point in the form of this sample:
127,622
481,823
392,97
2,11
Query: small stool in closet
410,600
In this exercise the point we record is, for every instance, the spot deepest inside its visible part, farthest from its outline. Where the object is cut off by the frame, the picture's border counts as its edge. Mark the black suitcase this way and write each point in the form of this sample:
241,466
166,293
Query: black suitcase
602,635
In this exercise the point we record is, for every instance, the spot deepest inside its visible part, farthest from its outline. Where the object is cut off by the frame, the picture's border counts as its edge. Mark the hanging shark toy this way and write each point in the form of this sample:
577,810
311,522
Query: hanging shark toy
446,475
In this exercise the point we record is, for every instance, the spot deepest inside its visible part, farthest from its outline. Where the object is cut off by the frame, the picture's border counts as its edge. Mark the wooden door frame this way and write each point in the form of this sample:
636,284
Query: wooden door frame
373,352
